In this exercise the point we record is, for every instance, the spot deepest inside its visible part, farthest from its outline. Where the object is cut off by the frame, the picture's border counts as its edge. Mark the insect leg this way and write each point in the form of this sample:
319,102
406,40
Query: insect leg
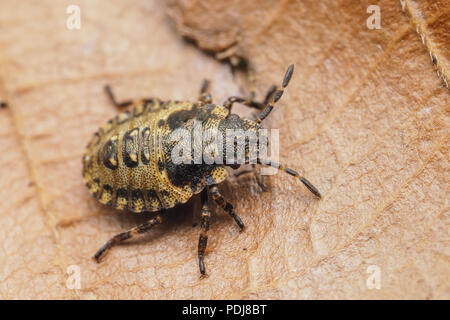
273,98
203,237
205,96
132,233
112,97
278,166
249,103
125,103
258,177
269,94
225,205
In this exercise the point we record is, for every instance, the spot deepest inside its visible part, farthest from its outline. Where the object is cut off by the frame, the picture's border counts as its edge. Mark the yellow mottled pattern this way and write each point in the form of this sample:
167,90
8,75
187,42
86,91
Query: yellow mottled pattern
143,177
94,187
106,197
139,205
121,202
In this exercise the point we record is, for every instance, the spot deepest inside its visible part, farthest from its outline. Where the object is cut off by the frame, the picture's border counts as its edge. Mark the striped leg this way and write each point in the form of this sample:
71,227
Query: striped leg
250,102
279,92
269,94
225,205
132,233
259,178
203,238
294,173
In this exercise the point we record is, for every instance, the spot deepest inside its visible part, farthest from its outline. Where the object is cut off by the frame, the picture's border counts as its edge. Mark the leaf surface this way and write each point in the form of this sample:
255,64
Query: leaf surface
365,118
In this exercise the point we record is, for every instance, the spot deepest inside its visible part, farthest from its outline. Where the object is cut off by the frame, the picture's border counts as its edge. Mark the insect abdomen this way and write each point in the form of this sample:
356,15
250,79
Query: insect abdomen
124,163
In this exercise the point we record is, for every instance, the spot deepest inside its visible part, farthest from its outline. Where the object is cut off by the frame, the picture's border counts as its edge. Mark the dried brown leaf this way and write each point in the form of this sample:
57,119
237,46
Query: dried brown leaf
364,117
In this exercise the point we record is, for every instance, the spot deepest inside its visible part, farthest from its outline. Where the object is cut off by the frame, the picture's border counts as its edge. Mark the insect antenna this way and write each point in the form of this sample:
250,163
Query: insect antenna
294,173
276,96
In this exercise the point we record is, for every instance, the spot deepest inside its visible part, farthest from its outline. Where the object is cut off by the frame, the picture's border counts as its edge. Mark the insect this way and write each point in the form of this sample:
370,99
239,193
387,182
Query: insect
128,163
3,104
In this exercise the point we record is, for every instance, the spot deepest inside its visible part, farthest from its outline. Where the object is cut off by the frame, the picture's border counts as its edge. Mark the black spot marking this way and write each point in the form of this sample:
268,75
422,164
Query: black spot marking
121,193
182,174
176,119
152,196
165,195
160,165
131,148
107,188
109,153
99,156
137,195
145,146
203,114
161,123
97,182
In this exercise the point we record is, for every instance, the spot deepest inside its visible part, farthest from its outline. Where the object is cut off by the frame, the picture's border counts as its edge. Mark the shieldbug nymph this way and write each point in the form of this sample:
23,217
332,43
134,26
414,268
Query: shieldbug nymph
128,163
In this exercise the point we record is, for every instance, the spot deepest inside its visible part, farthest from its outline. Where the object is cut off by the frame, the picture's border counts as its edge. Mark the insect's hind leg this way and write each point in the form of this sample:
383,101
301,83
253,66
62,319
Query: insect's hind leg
125,103
225,205
132,233
203,237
